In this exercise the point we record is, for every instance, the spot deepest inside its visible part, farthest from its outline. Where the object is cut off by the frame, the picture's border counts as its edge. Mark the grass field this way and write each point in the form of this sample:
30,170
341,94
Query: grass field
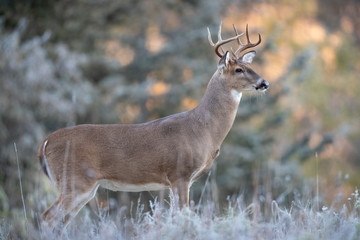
237,221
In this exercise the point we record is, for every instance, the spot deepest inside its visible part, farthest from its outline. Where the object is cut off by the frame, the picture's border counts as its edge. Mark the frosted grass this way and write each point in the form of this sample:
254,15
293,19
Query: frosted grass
236,222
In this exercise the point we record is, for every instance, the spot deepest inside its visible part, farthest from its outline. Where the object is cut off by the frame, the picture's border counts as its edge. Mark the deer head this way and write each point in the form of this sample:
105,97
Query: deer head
236,69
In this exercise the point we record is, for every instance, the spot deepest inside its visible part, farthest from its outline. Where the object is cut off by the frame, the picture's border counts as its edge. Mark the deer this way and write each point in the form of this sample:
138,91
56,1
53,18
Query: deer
166,153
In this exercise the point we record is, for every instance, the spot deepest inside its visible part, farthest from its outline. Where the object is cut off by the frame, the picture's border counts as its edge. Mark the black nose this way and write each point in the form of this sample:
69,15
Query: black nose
264,85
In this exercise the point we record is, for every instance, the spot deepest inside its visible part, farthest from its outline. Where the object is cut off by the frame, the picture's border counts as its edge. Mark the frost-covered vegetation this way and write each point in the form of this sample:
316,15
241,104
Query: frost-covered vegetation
292,155
237,221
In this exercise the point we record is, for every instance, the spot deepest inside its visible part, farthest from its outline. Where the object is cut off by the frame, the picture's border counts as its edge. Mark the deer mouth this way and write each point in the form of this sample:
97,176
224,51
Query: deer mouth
262,85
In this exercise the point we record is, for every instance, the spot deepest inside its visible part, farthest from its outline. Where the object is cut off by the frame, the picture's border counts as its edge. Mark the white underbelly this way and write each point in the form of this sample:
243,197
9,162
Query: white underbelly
118,186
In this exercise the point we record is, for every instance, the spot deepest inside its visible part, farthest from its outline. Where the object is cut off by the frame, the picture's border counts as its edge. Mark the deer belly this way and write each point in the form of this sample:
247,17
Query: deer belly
127,187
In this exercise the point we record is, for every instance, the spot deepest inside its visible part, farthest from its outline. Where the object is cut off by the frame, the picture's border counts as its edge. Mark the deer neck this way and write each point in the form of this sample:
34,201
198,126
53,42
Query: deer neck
217,109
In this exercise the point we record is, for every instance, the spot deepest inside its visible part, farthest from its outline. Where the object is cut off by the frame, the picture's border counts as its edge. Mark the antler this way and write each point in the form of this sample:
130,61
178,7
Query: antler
221,42
243,47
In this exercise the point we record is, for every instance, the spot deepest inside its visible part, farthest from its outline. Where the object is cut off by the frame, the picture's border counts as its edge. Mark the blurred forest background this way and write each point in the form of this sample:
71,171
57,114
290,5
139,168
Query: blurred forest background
105,61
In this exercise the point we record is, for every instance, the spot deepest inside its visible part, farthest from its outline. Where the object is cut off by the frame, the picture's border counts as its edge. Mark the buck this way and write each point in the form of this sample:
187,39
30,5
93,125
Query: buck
167,153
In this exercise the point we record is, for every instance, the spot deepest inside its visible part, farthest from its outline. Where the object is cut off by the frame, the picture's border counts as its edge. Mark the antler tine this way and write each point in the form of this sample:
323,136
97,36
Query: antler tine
219,32
236,32
232,52
238,41
248,44
209,37
220,41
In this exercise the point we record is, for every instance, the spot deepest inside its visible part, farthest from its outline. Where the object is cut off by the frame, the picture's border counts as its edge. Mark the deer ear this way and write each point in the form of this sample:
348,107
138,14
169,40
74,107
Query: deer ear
248,57
224,61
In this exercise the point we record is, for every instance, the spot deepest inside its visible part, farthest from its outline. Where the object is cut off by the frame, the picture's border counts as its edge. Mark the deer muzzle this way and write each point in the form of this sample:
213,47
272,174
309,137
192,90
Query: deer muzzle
262,85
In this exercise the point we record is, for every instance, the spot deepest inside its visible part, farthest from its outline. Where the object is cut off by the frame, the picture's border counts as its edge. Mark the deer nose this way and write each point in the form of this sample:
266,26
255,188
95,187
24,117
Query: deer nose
264,85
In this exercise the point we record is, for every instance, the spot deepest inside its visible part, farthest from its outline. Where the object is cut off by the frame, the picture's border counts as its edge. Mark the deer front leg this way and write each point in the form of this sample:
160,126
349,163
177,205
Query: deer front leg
180,189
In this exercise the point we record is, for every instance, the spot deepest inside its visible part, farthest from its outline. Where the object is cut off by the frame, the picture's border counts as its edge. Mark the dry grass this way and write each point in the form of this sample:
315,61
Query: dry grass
201,222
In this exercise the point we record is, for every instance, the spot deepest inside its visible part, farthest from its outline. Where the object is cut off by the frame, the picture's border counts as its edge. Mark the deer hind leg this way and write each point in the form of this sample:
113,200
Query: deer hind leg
80,203
65,208
180,189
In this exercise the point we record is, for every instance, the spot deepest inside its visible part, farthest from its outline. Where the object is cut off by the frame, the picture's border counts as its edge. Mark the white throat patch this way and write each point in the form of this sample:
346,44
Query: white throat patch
236,95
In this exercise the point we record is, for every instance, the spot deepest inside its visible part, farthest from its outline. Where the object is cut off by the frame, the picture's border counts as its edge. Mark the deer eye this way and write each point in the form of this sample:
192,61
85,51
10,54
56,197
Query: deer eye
239,70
